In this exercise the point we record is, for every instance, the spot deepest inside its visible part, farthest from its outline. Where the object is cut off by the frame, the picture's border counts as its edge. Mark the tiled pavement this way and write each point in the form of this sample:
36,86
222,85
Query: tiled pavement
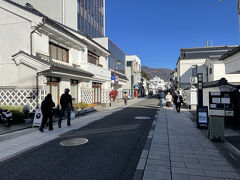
12,146
177,150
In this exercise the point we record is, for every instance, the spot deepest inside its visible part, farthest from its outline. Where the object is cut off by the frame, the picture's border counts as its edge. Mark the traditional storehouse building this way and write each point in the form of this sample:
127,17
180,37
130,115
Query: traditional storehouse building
39,55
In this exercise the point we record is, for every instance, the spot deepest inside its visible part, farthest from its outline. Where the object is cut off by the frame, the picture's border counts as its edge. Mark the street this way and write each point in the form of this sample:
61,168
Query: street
113,149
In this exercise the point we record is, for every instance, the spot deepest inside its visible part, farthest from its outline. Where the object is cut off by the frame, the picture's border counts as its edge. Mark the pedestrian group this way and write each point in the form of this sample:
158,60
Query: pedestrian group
47,110
171,98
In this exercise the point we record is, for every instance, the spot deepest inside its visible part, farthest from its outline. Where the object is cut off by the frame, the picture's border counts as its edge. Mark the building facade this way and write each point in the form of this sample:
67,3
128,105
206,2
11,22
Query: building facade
133,73
39,56
85,16
192,61
116,63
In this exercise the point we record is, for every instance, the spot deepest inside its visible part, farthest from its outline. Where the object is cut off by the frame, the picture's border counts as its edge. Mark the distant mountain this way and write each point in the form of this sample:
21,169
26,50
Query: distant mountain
163,73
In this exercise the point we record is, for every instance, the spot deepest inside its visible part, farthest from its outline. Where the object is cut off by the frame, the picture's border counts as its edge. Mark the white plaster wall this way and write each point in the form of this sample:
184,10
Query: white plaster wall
99,72
127,85
219,72
63,84
84,57
17,76
186,69
232,64
85,84
40,44
74,56
14,35
103,61
51,8
102,41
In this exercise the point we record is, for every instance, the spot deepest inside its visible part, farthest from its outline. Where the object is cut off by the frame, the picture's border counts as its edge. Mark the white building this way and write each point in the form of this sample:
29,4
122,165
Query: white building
157,84
86,17
133,73
40,56
192,61
205,60
231,61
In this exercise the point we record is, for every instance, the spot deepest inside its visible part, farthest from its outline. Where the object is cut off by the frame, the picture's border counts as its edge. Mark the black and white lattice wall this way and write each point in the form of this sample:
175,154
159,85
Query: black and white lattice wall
21,97
105,96
87,96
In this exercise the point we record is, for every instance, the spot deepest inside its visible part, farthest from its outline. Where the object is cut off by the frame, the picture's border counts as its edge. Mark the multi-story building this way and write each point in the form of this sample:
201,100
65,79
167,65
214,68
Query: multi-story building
84,16
40,56
116,63
133,73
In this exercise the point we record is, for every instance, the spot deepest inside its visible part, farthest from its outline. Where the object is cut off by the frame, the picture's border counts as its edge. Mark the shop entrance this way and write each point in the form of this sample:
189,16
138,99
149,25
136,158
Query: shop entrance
96,92
53,88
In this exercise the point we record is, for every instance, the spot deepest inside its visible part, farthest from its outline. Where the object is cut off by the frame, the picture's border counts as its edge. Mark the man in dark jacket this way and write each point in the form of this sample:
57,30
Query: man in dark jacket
177,99
47,112
66,106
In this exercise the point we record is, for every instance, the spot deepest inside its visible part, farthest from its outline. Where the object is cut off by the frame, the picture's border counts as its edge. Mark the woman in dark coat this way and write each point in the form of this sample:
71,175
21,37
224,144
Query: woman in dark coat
47,112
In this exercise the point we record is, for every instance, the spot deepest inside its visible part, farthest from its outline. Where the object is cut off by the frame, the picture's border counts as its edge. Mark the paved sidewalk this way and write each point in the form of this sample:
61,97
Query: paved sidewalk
11,145
179,151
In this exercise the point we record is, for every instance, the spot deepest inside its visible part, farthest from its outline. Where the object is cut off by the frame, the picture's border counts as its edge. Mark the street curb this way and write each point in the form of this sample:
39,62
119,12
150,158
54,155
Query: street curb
139,172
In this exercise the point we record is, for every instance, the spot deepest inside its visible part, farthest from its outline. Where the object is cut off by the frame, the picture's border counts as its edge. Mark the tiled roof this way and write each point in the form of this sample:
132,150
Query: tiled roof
205,52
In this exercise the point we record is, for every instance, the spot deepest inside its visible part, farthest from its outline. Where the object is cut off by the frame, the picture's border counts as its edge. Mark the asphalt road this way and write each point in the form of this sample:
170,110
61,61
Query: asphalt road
112,152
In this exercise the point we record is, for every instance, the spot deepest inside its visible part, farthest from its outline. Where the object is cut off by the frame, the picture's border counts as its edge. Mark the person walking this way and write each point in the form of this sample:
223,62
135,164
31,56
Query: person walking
47,112
178,101
168,99
125,98
161,98
66,106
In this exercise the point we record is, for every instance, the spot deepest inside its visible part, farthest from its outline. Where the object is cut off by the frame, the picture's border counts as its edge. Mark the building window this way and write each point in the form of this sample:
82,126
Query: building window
93,58
210,70
58,53
194,71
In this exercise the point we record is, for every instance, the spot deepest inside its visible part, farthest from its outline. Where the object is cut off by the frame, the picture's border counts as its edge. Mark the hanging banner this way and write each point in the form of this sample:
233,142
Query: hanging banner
37,117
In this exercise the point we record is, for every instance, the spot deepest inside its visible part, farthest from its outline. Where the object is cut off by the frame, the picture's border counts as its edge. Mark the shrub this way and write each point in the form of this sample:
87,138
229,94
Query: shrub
17,112
80,105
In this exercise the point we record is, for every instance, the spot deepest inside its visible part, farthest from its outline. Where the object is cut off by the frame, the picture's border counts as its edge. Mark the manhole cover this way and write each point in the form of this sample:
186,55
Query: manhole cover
142,117
74,142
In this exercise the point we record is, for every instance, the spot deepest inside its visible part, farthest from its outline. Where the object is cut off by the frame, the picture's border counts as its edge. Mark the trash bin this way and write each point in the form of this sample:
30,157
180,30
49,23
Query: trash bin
216,128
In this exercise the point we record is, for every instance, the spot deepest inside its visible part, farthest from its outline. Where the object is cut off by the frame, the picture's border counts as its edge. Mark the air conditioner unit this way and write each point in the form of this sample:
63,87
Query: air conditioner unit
193,80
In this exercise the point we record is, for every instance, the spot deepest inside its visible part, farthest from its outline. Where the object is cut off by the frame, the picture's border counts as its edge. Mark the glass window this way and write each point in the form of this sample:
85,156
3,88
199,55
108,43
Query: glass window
210,70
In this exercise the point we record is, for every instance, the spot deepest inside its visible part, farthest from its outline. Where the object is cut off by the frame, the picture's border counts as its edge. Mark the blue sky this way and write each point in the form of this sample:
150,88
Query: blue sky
155,30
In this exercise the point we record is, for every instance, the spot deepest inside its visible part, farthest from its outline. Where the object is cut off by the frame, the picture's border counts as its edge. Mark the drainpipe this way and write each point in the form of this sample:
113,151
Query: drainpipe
36,28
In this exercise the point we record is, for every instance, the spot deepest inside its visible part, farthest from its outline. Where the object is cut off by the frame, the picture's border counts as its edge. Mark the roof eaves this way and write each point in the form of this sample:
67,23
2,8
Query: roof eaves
230,53
55,65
